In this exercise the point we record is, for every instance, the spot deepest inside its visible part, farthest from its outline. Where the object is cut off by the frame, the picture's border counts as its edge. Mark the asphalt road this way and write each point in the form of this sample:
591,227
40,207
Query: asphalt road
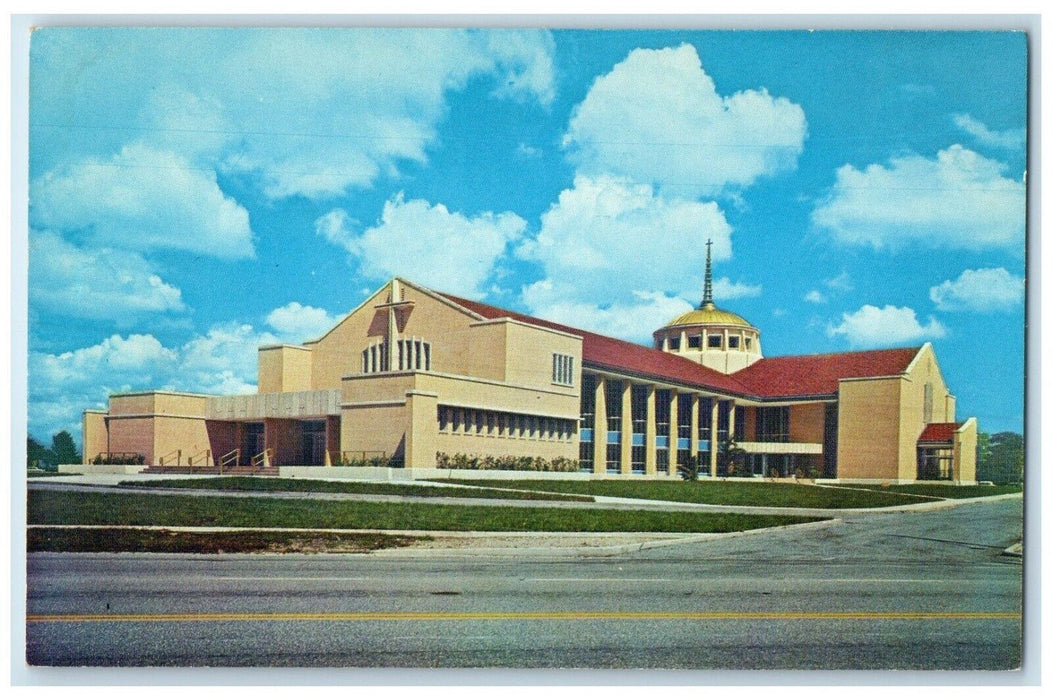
925,590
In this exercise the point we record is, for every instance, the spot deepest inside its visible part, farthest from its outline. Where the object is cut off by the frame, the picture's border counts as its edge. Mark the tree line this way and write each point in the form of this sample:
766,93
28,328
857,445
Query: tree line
1000,458
62,451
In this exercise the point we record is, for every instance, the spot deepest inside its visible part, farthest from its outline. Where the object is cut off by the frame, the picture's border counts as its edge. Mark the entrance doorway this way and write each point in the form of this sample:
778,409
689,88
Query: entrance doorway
253,442
313,447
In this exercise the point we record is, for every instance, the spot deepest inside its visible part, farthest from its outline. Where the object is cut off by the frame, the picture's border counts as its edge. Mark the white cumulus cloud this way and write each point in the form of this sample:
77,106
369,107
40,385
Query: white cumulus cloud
619,254
723,288
984,290
815,297
427,243
658,118
1009,139
100,283
143,199
871,326
957,200
634,319
297,323
62,385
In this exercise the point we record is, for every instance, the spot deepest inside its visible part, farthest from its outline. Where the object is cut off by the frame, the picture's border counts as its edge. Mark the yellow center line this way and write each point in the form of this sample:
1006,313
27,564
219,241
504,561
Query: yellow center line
519,615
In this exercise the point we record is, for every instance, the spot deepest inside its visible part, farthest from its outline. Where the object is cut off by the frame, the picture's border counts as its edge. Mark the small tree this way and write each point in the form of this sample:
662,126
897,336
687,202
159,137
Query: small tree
730,457
690,469
64,449
38,456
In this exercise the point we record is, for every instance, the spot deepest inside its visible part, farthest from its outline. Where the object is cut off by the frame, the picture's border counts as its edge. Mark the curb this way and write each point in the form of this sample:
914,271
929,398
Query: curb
663,539
600,551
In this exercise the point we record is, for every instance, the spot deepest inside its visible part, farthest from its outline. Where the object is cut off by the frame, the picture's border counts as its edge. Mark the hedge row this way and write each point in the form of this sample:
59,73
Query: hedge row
506,463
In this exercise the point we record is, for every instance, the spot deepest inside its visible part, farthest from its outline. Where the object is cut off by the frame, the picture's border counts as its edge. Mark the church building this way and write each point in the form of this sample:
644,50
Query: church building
414,376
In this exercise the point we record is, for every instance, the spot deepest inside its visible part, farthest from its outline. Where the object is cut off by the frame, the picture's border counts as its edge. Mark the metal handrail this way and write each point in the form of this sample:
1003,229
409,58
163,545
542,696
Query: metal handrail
233,456
205,453
178,457
262,460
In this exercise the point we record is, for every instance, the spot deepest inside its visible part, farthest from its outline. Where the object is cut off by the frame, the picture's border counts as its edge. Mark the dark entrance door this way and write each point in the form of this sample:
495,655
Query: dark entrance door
313,442
253,442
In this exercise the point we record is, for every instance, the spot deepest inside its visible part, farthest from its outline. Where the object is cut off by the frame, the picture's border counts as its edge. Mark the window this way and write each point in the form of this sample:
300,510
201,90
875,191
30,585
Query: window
374,358
694,341
928,401
673,343
748,343
715,341
414,354
562,369
732,342
772,424
588,386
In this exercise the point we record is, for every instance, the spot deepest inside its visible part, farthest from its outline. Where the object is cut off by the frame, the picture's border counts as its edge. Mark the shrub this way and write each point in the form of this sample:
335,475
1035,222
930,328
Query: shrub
123,458
691,469
522,463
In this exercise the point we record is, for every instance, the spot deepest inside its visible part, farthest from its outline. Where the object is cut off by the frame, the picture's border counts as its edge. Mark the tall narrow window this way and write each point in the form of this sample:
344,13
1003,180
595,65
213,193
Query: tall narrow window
928,401
562,369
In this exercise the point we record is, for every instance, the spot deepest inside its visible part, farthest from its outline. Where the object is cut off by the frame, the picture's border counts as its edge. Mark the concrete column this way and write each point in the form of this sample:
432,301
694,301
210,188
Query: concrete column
650,460
664,343
394,352
695,423
673,432
714,442
421,431
626,427
682,341
599,433
730,422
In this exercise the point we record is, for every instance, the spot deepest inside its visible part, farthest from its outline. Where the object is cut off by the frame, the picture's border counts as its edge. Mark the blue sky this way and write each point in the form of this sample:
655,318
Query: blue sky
196,193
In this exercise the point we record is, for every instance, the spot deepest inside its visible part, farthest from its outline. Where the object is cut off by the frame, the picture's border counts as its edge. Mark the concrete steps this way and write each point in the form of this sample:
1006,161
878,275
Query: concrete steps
232,470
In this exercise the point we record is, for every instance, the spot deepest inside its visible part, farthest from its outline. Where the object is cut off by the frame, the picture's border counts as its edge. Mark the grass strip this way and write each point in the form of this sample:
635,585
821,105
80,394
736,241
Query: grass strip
736,493
953,491
271,484
53,539
88,508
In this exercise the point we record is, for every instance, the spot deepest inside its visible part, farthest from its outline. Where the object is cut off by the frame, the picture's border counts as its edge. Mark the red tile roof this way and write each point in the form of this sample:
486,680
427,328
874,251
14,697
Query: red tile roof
770,378
820,375
939,432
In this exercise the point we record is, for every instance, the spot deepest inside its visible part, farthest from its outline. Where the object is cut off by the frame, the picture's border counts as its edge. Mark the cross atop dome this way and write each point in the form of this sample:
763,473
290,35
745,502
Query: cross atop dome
706,298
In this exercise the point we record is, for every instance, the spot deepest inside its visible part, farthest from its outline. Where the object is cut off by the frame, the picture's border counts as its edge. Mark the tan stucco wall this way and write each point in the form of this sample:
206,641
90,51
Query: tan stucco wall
154,424
460,343
868,429
965,441
284,368
529,355
923,370
95,435
131,404
186,434
398,412
377,428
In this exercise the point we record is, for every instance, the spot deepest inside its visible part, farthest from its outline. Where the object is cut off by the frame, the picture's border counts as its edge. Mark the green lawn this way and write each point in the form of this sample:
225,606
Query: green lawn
948,491
738,493
252,483
87,508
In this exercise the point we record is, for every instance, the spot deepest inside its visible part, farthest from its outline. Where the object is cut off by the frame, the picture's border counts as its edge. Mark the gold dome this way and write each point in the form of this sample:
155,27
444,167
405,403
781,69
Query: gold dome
708,315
